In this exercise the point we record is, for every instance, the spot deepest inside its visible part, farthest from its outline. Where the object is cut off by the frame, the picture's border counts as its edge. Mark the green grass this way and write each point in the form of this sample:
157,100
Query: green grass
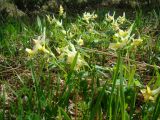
107,87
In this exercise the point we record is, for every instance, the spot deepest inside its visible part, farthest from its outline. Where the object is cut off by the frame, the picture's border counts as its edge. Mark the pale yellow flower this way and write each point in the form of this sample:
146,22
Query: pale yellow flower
70,52
115,26
136,42
58,23
50,20
43,49
121,19
114,46
118,45
39,45
94,16
55,21
61,10
122,39
64,32
80,42
110,17
149,94
80,63
70,56
58,50
123,33
30,52
70,35
87,16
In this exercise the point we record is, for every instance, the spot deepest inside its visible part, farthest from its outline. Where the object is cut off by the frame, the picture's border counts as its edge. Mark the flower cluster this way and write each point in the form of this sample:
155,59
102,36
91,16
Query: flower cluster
67,54
111,18
53,20
88,16
39,46
123,38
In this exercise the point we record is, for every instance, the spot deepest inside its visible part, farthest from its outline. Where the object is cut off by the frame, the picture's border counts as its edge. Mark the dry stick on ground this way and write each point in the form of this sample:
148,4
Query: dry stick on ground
113,55
11,69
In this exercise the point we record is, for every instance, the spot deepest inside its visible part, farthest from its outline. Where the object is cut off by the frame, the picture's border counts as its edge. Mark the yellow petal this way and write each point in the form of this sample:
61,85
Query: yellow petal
29,51
136,42
149,90
61,10
151,98
143,91
80,42
147,94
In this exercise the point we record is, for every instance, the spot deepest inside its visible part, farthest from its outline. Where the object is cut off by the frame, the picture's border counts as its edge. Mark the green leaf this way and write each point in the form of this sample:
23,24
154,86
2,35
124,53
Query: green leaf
62,112
39,23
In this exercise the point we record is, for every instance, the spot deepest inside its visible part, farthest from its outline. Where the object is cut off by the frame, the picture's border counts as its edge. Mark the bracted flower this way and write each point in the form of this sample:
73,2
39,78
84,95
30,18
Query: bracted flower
136,42
149,94
87,16
70,52
61,10
30,52
109,17
80,42
121,19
